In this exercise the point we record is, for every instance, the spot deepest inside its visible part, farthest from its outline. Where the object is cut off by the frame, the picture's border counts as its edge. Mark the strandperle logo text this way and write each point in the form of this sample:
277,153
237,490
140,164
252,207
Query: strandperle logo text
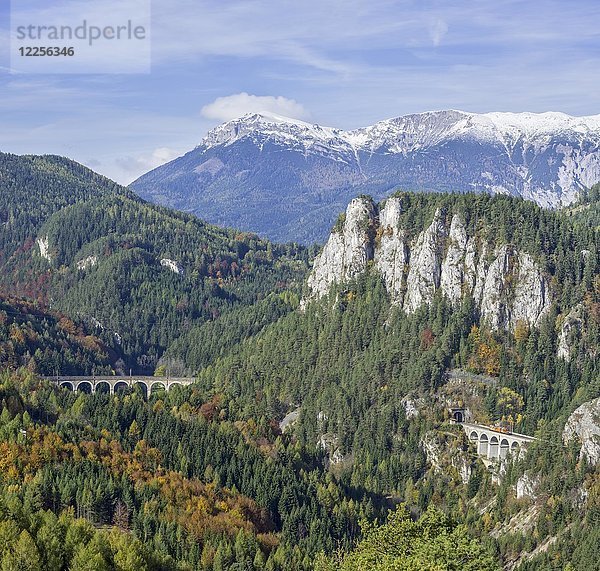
83,31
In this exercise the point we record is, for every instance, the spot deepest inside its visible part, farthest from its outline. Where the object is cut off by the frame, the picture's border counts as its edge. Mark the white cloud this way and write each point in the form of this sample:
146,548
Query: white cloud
92,163
233,106
437,31
145,162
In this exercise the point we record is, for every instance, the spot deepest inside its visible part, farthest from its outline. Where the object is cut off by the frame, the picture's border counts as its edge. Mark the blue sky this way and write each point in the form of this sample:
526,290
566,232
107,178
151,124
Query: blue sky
339,63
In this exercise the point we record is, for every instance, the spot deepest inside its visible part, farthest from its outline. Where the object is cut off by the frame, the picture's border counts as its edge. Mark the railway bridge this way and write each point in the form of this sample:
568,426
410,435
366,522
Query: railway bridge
493,443
116,383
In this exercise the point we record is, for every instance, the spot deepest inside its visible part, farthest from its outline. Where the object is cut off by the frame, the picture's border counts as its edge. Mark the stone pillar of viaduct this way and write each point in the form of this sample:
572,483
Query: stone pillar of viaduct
112,384
494,444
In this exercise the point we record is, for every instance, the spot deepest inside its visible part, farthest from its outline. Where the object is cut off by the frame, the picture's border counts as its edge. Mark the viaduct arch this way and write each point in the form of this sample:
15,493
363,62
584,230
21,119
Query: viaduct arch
494,444
117,383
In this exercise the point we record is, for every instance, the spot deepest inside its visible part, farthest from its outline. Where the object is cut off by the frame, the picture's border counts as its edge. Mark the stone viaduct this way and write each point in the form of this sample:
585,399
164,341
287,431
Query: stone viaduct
494,444
111,384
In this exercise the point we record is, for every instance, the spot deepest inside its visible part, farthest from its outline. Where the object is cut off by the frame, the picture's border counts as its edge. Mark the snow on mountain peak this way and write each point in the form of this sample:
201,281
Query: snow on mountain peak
548,122
268,126
405,133
302,173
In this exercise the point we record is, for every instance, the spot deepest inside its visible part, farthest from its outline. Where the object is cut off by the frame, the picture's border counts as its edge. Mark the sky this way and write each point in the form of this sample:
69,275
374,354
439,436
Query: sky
338,63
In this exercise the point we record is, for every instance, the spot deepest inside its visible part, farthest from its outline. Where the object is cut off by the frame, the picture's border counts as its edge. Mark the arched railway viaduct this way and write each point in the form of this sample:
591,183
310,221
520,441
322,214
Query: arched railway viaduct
112,384
494,444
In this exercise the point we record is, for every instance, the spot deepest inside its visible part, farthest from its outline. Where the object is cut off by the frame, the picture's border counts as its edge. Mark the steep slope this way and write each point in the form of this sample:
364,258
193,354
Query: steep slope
32,188
369,382
360,330
453,254
144,274
287,179
49,343
138,274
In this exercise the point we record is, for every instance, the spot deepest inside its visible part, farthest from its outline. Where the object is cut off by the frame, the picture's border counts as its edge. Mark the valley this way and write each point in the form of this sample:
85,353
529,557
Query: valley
300,286
321,384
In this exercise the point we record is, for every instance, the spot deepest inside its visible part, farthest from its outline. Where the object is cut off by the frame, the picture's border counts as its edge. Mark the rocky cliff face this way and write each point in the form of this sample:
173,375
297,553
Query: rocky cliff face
44,246
569,331
506,284
391,257
425,266
527,486
584,425
436,446
348,250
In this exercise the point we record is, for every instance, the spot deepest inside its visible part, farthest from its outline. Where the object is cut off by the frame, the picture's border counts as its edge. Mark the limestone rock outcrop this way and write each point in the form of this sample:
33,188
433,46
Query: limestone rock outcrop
507,284
458,267
172,265
44,247
348,249
391,256
425,268
445,456
527,486
570,328
86,263
584,425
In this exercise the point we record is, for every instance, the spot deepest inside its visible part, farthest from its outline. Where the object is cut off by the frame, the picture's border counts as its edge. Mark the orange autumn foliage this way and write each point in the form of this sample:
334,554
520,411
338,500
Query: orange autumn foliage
198,507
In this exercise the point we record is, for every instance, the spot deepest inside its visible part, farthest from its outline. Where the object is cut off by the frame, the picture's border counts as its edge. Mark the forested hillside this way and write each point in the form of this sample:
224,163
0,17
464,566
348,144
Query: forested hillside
371,386
32,188
139,275
432,542
323,397
48,343
586,212
119,483
146,274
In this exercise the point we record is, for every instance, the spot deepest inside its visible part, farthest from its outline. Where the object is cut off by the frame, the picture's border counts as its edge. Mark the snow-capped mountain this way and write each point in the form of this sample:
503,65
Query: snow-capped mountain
288,179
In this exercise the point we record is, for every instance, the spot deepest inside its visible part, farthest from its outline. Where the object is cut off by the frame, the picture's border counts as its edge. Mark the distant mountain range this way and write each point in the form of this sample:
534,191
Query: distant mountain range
288,180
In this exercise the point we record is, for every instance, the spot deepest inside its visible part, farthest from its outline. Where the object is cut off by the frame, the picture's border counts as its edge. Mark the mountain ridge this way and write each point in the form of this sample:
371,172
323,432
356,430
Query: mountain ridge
288,179
505,123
